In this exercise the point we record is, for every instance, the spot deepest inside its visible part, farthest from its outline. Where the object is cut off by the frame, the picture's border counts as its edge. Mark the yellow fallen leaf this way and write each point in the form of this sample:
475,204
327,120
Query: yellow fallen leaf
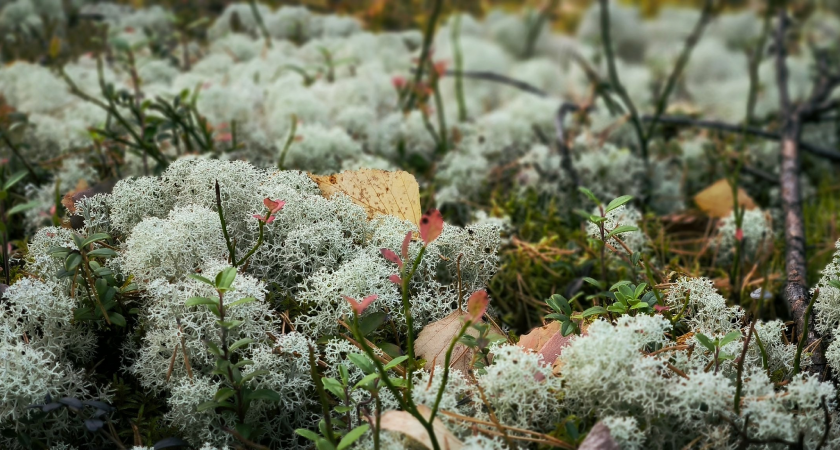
405,423
378,191
716,200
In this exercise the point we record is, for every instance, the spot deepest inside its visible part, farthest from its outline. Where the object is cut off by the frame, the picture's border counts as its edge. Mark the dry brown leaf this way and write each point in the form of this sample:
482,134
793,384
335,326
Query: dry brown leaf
549,342
716,200
405,423
378,191
434,340
537,338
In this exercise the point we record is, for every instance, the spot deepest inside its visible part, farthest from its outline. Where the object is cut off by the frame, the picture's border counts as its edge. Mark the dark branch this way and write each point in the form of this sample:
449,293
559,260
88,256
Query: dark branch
833,155
498,78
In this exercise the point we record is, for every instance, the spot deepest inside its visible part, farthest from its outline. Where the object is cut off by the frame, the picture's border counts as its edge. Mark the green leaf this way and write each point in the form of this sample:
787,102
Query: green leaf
560,317
22,207
264,394
198,277
58,251
72,262
640,305
367,379
311,435
594,310
341,409
240,343
371,322
117,319
323,444
617,308
95,238
214,349
639,289
395,362
559,303
596,219
224,279
834,283
14,179
705,341
352,436
361,361
254,374
618,202
589,194
731,336
621,229
194,301
102,253
212,404
223,394
619,284
229,324
241,301
567,328
593,282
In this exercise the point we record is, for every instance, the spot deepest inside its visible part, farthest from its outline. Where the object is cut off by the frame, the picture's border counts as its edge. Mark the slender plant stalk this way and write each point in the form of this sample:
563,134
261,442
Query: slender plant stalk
410,88
448,358
740,380
231,248
322,396
797,360
258,18
682,61
289,140
455,38
615,81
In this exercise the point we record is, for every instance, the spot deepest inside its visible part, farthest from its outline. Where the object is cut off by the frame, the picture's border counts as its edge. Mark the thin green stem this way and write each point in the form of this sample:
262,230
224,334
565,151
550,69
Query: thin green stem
615,81
445,379
231,248
406,403
408,318
797,360
443,147
322,396
289,140
258,18
459,64
253,249
425,51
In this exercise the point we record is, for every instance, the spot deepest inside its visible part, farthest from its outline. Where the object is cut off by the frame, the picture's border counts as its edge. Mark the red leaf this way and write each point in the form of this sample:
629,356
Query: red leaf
739,234
274,205
477,305
431,225
405,243
359,307
395,279
391,256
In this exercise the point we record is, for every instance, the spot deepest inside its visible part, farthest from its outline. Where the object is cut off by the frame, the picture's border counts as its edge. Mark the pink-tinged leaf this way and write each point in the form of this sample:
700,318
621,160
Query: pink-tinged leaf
391,256
398,82
660,308
405,243
359,307
739,234
274,205
263,219
477,305
431,225
395,279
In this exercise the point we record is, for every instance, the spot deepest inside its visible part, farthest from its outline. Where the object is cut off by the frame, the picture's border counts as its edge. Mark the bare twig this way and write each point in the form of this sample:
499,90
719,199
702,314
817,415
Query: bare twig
722,126
690,43
796,292
498,78
615,81
739,382
563,147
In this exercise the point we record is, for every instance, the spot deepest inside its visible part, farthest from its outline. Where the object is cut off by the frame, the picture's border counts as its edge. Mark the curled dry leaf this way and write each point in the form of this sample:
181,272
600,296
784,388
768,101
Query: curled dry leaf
405,423
716,200
378,191
547,341
434,340
599,438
